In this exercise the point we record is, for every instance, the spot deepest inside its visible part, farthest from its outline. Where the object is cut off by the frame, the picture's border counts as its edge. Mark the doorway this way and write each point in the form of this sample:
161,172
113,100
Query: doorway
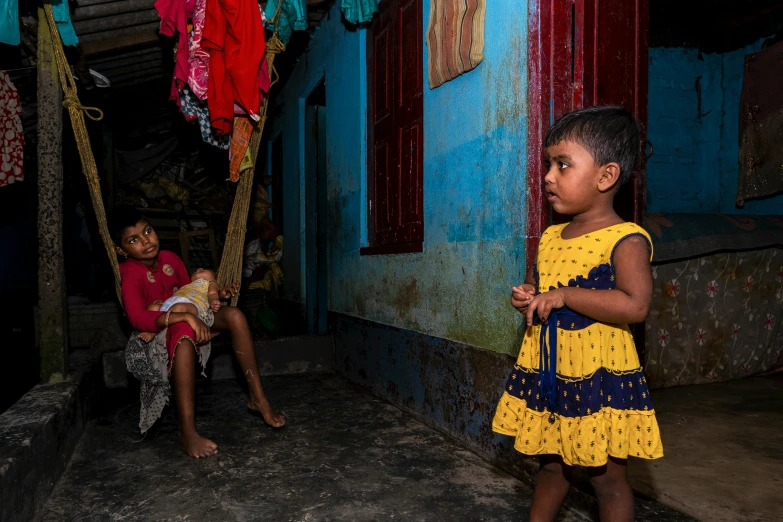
316,237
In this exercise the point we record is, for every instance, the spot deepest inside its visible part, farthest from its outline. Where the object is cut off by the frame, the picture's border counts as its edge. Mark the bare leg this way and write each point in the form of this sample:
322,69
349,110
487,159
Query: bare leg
184,377
552,484
615,498
232,318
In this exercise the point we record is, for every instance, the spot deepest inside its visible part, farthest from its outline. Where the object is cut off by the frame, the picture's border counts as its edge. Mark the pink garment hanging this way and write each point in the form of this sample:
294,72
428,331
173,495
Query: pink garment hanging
198,58
174,21
11,133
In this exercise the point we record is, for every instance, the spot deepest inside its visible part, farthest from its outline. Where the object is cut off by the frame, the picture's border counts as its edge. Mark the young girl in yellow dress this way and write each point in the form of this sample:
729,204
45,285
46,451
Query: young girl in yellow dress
577,395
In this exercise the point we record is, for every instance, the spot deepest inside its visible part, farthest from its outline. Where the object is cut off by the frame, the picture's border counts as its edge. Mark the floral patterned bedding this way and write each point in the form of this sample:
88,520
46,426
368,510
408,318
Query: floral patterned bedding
716,317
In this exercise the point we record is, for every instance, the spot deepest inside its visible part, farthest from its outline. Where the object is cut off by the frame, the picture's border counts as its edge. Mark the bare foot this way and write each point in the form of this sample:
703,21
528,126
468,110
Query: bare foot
197,446
146,336
265,409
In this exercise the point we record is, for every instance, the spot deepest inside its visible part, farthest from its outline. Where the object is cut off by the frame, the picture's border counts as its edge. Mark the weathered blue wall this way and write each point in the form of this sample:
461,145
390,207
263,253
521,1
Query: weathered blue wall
695,167
474,188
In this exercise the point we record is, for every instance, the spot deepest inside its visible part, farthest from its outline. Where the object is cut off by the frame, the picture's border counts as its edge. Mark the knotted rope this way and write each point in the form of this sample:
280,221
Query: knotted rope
77,112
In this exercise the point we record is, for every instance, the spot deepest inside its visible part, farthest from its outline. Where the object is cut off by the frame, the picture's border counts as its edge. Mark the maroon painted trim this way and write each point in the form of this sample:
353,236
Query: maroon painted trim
400,248
537,117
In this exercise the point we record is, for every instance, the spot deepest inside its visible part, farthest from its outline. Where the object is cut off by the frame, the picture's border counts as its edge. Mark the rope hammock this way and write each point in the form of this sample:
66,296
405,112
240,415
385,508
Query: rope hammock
230,269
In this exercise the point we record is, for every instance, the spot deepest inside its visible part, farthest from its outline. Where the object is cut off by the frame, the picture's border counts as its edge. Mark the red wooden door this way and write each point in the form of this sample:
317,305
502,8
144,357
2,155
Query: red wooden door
582,53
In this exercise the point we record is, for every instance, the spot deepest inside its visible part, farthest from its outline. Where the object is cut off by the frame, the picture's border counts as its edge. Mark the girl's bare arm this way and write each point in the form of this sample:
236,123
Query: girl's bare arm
628,303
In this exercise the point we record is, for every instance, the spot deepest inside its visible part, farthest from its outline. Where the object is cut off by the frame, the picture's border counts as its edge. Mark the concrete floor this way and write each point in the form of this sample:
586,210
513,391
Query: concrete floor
723,447
345,455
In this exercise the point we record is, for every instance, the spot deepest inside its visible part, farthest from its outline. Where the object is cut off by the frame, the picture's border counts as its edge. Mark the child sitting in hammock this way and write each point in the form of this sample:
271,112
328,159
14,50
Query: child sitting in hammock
197,298
148,275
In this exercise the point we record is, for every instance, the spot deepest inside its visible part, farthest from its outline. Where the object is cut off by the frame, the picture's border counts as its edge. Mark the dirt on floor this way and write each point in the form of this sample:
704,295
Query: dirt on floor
723,451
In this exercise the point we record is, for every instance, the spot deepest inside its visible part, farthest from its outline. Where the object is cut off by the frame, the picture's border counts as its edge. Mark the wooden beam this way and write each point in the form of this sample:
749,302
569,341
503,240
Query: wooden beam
115,22
112,45
118,33
110,9
51,266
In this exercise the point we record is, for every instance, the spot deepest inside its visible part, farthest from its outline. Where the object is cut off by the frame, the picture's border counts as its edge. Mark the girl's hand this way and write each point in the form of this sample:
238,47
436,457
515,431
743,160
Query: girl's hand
521,296
215,304
544,303
229,291
199,328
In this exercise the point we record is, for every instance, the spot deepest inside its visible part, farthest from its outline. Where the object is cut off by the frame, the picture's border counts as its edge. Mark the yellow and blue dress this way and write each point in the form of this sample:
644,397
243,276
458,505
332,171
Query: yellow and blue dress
577,389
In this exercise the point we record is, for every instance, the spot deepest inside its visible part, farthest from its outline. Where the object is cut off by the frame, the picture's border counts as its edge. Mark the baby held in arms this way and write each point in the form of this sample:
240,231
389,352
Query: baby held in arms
196,298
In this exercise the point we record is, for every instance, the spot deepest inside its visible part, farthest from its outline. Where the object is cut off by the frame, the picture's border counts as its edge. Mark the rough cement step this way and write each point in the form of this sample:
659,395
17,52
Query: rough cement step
284,356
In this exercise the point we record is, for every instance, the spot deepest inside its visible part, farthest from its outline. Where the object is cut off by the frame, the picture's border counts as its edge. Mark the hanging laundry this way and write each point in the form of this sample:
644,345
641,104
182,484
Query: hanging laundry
193,108
198,58
359,11
234,37
455,38
62,15
240,140
11,132
173,21
293,17
761,126
9,22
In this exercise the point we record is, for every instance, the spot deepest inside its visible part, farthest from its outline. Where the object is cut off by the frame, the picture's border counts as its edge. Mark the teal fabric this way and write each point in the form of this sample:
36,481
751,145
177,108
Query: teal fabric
62,15
293,17
359,11
9,22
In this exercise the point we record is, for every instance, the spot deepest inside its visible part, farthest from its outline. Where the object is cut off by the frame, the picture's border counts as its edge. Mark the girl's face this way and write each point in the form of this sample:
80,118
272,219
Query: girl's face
139,242
573,181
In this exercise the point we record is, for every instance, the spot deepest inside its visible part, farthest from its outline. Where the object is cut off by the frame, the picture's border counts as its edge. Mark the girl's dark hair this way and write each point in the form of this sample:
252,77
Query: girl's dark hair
609,133
122,217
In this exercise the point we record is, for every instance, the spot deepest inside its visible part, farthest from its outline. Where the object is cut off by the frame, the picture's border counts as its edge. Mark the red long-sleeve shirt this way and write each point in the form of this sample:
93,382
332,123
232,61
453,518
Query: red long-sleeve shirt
142,286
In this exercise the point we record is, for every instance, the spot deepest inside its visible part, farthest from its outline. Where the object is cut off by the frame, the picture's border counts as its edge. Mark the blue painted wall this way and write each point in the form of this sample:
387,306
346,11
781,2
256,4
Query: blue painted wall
474,188
695,167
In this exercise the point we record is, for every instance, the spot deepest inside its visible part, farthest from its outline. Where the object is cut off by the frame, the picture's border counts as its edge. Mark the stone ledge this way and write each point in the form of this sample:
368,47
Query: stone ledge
38,435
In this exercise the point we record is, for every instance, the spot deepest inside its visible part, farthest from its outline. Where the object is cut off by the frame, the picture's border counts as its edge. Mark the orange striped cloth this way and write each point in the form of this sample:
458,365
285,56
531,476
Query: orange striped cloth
455,38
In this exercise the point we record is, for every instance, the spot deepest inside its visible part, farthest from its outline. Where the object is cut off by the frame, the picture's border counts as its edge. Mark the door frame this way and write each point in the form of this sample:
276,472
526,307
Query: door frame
563,75
566,69
316,225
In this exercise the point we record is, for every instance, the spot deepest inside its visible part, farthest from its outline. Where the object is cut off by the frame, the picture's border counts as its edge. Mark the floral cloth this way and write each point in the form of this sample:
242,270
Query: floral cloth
11,132
198,58
715,318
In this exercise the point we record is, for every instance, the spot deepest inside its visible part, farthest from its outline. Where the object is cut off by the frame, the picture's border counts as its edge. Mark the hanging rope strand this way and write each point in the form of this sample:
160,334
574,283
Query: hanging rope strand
77,112
231,263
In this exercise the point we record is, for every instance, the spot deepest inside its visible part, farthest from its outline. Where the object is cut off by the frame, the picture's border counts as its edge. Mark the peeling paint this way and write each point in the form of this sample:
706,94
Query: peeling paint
475,133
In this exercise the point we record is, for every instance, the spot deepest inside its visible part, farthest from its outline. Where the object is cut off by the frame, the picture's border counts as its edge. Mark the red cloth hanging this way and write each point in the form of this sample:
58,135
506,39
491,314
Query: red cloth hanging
174,21
234,37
